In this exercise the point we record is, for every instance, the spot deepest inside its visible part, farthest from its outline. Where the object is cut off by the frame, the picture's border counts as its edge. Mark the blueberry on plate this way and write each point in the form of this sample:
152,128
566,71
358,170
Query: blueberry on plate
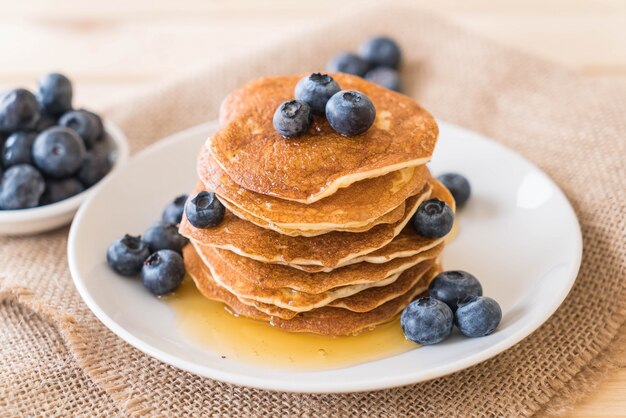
173,212
18,149
95,166
57,190
478,316
86,124
426,321
458,185
19,111
453,286
55,94
315,90
349,63
204,210
292,118
58,152
381,51
164,236
126,255
386,77
163,272
22,187
350,112
433,219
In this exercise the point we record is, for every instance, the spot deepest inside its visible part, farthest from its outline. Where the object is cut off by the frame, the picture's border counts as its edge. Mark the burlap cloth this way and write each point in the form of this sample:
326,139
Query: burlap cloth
57,359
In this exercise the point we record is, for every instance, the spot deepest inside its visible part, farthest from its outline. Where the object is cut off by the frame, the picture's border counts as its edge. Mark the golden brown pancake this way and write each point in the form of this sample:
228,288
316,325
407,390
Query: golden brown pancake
363,203
326,251
317,164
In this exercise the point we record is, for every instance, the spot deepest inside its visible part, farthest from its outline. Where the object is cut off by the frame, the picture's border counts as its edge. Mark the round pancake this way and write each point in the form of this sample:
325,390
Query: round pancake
315,165
358,205
327,251
329,321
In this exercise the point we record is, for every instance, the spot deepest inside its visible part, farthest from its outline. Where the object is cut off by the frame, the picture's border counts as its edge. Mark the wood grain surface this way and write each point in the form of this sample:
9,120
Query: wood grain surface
113,48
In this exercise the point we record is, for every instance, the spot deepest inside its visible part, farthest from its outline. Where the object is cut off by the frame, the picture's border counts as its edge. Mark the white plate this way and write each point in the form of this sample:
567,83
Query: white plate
518,234
45,218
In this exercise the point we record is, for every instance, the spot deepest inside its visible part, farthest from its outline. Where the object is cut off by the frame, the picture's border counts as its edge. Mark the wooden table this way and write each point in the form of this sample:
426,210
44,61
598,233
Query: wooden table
112,49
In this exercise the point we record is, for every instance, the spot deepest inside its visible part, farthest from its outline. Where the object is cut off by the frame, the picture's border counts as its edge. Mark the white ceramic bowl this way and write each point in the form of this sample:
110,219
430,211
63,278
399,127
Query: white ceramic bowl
45,218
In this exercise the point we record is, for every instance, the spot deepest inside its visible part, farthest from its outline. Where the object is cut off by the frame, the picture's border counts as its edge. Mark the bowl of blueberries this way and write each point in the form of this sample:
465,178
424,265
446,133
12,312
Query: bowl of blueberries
52,156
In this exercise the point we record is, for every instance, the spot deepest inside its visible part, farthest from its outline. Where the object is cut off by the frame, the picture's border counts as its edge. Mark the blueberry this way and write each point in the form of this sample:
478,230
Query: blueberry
173,212
18,149
292,118
163,272
164,236
315,90
458,186
204,210
55,94
57,190
381,51
126,255
349,63
451,287
433,219
478,316
350,112
426,321
386,77
22,187
86,124
44,123
95,166
58,152
19,111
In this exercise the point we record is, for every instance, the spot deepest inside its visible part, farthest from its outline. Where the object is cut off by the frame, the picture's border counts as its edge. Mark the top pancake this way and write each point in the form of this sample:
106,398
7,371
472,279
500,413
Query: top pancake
318,163
356,206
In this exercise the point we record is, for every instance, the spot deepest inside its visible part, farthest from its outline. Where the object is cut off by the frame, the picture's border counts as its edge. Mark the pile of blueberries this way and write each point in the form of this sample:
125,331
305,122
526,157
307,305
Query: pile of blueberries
455,297
157,257
349,112
48,150
377,61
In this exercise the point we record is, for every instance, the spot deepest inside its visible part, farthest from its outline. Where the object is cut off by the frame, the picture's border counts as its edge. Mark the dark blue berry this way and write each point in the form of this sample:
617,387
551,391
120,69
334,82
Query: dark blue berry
86,124
426,321
381,51
19,111
21,188
44,123
478,316
349,63
18,149
350,112
204,210
58,152
292,118
433,219
173,212
164,236
386,77
55,94
163,272
96,164
315,90
126,255
57,190
458,186
451,287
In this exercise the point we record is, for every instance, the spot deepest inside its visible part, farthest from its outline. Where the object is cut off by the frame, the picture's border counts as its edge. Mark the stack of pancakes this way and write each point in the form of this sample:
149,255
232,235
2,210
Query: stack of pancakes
317,234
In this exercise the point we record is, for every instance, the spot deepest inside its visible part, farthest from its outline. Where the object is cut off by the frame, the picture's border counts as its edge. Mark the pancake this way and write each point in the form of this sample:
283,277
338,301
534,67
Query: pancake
327,251
356,206
390,217
329,321
317,164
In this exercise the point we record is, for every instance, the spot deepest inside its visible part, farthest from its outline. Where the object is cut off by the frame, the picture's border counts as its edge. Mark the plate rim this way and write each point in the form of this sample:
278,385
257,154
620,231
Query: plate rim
298,386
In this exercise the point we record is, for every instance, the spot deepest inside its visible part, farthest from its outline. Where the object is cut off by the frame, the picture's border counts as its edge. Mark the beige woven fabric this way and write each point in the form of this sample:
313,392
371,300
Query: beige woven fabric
57,359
